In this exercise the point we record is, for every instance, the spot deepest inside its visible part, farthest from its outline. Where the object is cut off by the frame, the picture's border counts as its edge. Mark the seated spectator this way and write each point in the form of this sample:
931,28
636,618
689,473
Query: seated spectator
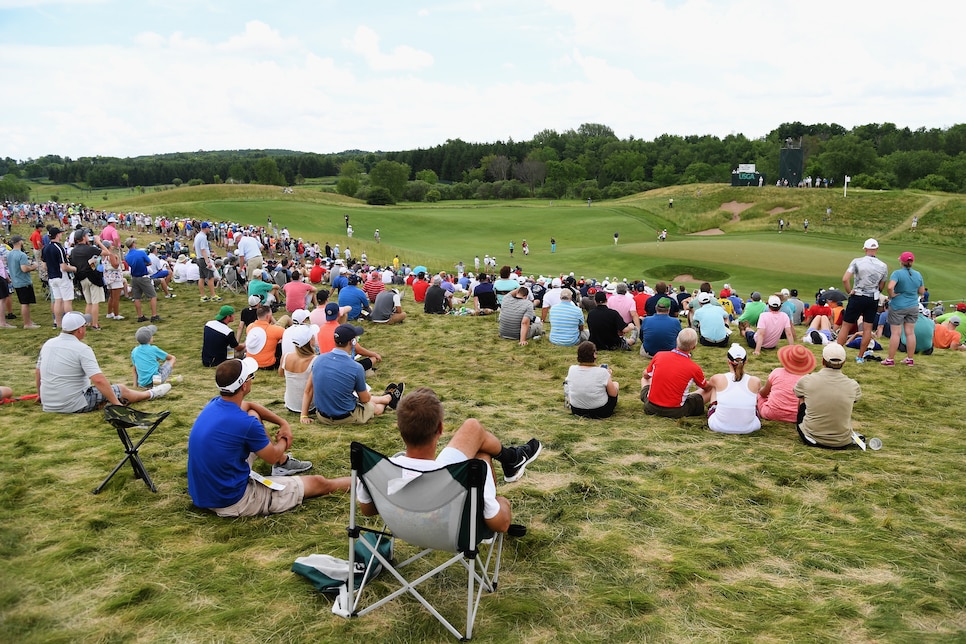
567,322
295,366
505,284
218,338
266,291
337,387
420,423
754,308
650,304
733,401
517,320
590,390
263,339
374,286
624,303
297,293
355,298
711,322
70,381
607,327
827,397
152,366
484,297
388,308
420,285
772,326
659,332
665,383
224,441
436,301
777,399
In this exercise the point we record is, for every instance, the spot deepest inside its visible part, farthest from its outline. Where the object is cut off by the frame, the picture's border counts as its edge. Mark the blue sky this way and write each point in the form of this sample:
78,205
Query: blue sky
126,78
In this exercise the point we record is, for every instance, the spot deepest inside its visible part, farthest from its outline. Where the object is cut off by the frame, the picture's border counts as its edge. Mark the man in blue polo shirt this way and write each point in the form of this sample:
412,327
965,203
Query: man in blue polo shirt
660,331
567,326
141,283
338,387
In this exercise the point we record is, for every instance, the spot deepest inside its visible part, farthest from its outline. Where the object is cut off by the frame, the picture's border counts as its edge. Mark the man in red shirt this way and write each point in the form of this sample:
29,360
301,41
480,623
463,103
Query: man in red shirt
420,286
37,240
664,385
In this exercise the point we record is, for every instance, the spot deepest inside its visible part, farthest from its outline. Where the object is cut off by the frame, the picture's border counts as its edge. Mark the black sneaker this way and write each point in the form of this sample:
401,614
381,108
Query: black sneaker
155,318
396,393
524,455
142,319
816,337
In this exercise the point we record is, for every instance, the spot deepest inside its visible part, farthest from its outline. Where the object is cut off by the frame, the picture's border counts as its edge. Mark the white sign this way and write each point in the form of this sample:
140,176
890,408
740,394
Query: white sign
746,167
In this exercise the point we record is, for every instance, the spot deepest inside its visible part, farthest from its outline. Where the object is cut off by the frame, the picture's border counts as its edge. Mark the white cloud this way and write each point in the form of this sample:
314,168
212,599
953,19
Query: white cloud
365,42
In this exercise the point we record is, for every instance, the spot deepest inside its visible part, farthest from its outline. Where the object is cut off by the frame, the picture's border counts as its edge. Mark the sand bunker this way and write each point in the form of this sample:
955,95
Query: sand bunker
683,278
710,231
780,210
736,208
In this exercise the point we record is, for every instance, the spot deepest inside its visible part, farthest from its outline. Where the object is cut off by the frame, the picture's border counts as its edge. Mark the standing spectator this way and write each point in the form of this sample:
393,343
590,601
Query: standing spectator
826,399
20,266
733,402
58,275
113,280
206,264
777,399
141,284
863,281
250,252
590,390
905,287
85,257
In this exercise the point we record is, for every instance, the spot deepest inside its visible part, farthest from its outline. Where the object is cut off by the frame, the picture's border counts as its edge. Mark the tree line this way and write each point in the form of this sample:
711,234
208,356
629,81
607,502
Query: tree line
587,162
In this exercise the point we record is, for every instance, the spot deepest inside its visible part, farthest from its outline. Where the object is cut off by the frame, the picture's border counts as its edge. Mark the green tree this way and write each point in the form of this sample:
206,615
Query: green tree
391,175
237,174
13,188
380,196
350,169
347,186
266,172
428,176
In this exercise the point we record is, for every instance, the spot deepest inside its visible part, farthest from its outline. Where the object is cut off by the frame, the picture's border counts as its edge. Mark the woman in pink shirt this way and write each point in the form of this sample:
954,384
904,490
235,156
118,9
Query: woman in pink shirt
777,399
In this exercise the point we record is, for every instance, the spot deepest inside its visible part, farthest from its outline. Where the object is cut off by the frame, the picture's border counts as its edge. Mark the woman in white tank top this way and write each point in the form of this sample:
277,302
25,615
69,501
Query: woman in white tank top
733,408
296,366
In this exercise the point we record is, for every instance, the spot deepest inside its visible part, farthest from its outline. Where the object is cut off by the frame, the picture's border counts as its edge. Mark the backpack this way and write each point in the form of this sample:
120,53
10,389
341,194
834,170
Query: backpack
328,574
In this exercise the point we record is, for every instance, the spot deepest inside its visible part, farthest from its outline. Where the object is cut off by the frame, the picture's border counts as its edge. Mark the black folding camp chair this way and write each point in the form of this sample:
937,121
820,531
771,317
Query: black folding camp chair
122,419
440,510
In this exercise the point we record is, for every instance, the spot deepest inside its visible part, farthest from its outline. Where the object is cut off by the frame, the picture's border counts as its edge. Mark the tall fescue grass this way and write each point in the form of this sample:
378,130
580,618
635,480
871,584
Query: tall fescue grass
641,529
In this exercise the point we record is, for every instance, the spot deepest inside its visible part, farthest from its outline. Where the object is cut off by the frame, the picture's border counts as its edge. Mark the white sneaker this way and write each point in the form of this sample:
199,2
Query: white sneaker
159,391
110,316
118,317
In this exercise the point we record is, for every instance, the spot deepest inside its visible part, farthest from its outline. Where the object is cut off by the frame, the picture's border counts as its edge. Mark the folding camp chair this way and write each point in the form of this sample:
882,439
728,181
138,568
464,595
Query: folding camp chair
437,510
122,419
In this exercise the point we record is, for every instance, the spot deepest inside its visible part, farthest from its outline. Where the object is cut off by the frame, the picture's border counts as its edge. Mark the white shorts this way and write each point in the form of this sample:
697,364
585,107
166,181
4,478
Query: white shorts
61,288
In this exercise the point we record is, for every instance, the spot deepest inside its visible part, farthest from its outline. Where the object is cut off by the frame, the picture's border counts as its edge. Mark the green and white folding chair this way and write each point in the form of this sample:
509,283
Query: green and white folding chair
437,510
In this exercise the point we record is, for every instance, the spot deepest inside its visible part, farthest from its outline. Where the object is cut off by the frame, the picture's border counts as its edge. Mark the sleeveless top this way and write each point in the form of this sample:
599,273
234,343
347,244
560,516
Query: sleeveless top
295,386
736,411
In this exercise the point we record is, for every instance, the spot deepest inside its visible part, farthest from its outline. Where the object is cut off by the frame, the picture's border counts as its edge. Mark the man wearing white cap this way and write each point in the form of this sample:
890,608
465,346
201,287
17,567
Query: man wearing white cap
863,281
69,380
772,325
224,441
825,402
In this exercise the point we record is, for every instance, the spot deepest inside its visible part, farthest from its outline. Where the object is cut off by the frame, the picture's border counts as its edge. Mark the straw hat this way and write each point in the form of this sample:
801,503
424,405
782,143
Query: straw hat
796,359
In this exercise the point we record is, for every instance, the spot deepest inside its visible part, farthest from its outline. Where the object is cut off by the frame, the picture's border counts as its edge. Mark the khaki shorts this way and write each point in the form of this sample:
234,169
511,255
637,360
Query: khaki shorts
254,264
93,294
361,415
260,500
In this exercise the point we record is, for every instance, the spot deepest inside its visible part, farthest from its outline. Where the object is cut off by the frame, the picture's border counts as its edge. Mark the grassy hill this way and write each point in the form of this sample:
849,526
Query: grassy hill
641,529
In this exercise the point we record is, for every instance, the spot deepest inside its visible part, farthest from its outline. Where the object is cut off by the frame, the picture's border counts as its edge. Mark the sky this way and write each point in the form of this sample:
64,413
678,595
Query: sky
139,77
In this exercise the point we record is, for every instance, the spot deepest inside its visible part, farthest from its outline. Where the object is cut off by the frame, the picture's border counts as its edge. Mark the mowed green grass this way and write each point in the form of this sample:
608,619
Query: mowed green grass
641,529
